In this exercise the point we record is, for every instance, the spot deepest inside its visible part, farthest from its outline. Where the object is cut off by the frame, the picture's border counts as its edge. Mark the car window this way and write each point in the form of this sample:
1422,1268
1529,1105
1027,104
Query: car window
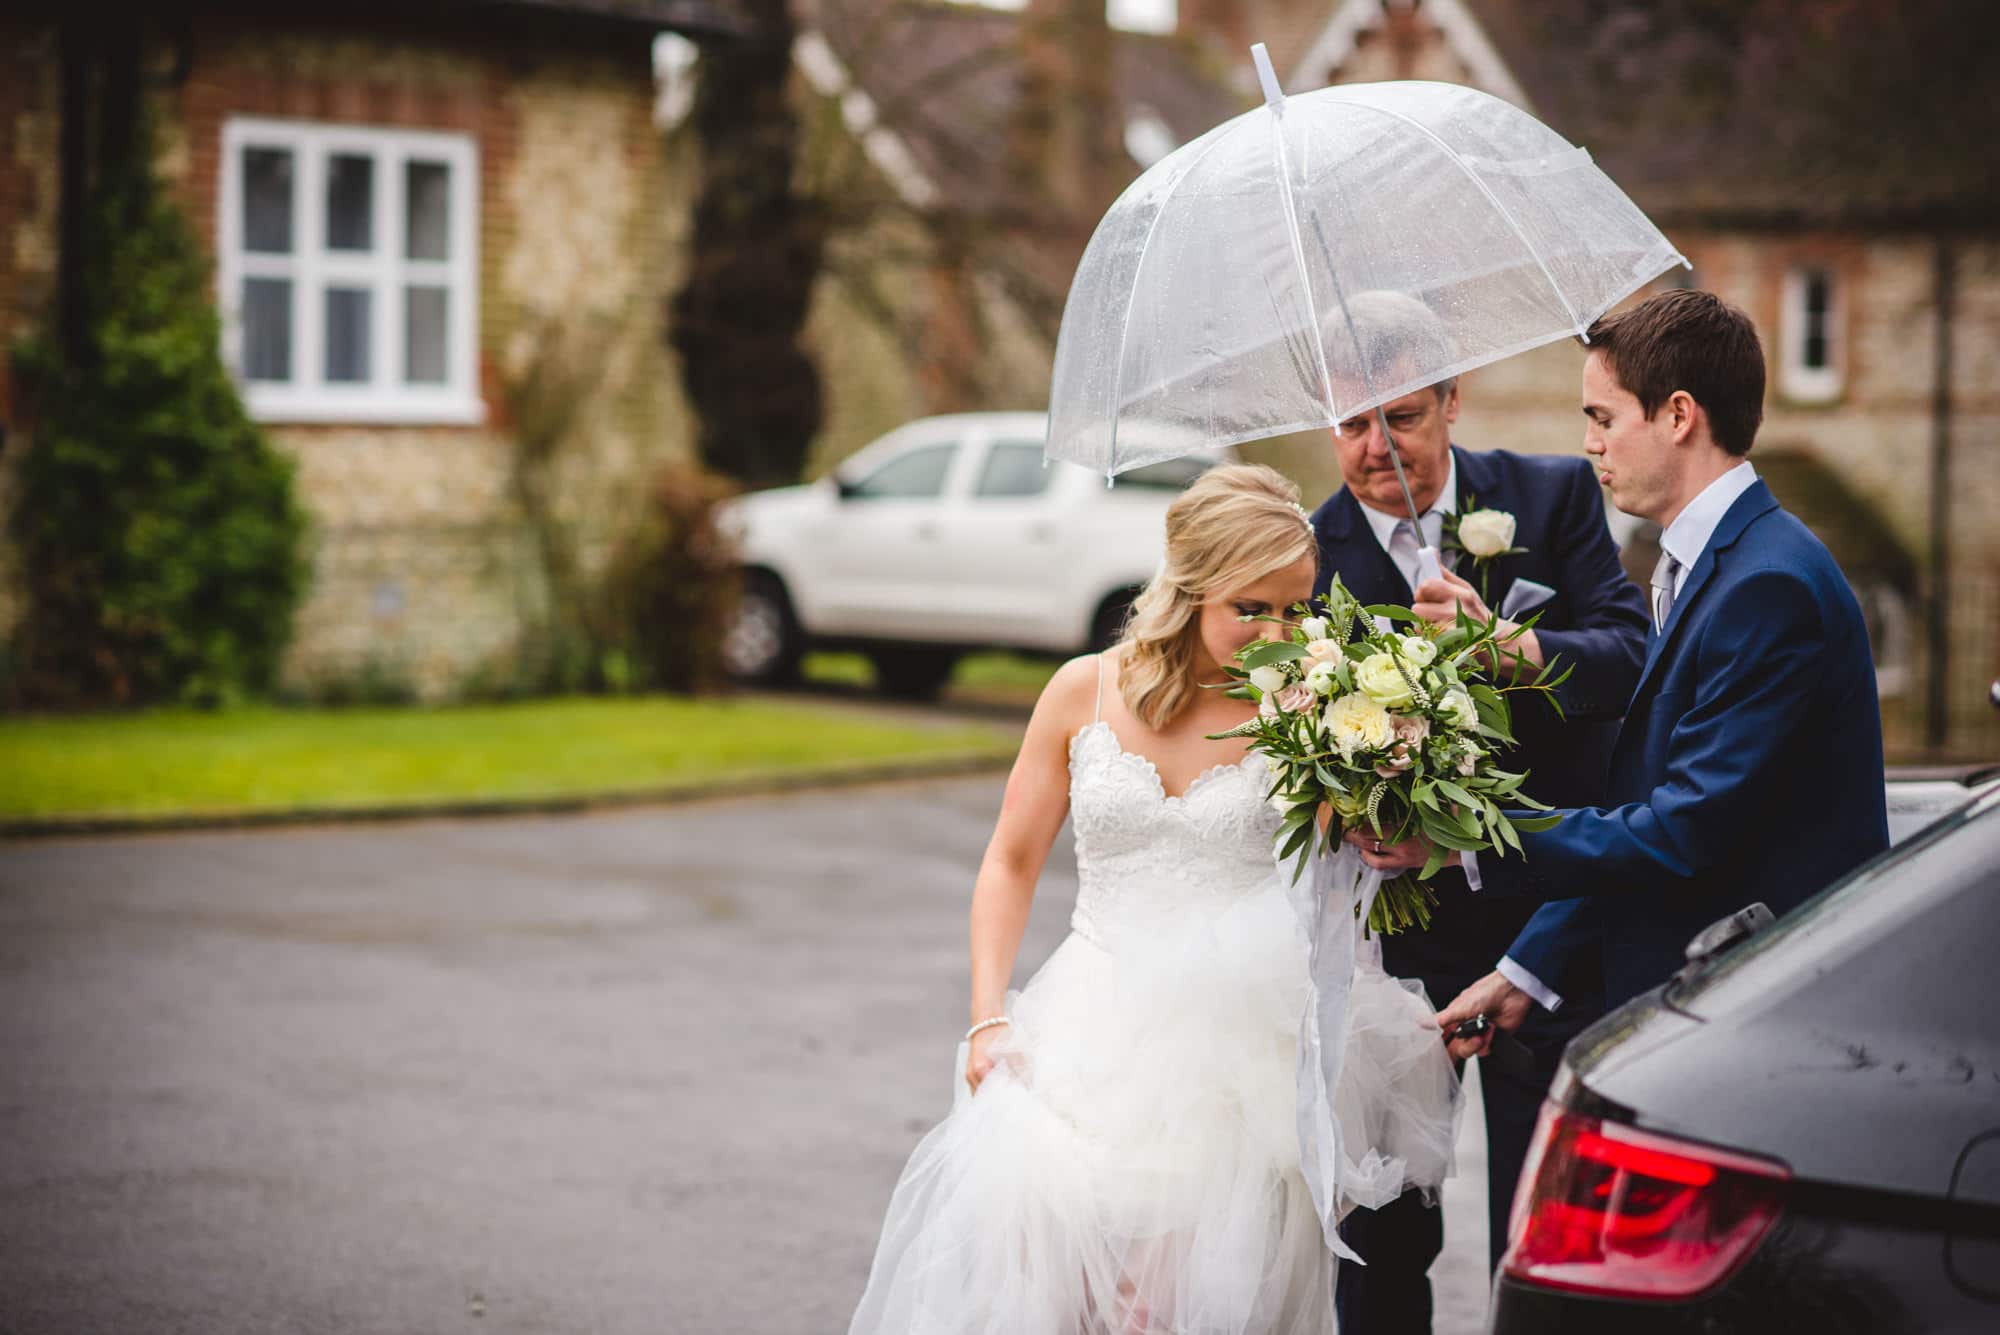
1173,475
913,476
1012,468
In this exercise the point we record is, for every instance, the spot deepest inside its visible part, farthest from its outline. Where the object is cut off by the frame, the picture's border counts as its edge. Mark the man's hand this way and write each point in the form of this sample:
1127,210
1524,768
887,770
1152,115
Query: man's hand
1409,855
1438,601
1492,995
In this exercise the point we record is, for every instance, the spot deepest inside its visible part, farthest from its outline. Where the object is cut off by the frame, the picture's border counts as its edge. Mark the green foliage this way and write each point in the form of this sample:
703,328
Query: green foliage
667,598
178,761
157,526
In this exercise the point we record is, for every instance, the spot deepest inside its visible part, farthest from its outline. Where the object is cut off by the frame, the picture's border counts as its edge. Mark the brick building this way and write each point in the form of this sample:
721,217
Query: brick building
422,217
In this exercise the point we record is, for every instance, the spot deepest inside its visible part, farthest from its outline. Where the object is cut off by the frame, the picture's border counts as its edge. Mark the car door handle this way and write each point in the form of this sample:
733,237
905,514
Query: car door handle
927,531
1041,532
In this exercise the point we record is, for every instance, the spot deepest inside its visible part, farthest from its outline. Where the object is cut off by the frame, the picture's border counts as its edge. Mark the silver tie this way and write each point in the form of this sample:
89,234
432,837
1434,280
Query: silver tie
1403,546
1664,574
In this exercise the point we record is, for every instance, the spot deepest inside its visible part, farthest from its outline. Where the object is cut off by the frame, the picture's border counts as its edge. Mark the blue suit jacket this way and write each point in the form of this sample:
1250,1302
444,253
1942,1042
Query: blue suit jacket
1596,621
1749,765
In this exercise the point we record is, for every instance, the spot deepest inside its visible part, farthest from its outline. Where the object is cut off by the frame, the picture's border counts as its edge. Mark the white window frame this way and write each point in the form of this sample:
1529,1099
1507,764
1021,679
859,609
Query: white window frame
1797,381
385,397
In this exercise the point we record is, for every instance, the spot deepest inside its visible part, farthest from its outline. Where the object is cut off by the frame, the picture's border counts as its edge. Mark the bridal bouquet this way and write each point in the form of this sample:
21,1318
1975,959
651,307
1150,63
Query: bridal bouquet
1396,731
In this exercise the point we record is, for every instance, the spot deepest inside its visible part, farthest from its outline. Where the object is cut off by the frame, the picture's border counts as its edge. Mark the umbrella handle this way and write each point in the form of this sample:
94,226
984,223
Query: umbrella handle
1428,566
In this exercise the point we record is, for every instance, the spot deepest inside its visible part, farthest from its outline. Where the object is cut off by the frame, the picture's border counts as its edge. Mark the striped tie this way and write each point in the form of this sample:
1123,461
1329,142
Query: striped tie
1664,574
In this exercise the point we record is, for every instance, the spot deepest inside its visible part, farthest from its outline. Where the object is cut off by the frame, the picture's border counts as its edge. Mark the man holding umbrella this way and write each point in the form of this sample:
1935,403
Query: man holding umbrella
1561,566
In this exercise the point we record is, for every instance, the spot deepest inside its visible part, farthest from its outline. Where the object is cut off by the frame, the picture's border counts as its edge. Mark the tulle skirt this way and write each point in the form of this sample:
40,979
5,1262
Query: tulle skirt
1132,1163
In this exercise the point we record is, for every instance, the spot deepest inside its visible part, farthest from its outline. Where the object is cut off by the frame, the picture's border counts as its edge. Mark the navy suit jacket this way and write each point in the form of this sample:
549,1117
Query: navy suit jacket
1749,765
1596,621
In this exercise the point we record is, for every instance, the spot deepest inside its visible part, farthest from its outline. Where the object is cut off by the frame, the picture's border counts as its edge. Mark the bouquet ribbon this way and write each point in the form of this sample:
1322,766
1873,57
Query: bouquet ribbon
1325,902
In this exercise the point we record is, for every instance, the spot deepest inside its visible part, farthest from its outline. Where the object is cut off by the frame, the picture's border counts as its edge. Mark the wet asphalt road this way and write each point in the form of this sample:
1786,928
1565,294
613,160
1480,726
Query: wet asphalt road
647,1071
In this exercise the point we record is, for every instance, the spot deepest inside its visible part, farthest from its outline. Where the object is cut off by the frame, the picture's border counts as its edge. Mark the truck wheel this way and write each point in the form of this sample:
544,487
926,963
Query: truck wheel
762,644
913,674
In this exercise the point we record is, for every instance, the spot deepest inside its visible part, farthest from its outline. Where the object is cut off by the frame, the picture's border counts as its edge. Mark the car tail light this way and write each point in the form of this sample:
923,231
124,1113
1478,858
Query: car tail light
1606,1209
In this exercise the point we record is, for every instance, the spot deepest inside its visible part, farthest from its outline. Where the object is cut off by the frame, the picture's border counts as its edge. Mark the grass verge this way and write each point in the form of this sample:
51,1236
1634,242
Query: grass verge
172,765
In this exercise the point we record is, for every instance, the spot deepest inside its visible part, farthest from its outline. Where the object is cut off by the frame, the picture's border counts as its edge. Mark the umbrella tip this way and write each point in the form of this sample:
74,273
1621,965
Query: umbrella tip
1267,76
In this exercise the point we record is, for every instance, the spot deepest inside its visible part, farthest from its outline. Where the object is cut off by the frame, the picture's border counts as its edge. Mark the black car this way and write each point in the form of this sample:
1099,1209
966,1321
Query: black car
1799,1134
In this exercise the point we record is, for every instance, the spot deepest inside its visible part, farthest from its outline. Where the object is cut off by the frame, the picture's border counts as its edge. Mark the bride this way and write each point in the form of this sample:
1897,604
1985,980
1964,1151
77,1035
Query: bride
1124,1152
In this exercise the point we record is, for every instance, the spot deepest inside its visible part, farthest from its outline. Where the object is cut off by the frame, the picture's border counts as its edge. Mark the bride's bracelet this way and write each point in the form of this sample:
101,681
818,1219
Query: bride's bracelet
986,1024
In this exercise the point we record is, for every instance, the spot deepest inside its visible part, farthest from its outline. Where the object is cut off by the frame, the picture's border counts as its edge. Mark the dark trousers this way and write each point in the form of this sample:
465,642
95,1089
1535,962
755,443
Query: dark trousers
1391,1295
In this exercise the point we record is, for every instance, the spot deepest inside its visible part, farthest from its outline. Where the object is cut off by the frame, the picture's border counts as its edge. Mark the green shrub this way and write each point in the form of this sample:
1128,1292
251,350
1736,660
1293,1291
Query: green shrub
667,597
157,527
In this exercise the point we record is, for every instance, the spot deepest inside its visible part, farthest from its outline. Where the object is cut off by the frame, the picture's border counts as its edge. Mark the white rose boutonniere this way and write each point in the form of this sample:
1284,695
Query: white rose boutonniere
1484,535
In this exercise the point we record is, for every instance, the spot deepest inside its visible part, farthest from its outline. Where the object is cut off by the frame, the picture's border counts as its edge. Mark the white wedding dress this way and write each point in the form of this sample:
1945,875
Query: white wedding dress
1133,1162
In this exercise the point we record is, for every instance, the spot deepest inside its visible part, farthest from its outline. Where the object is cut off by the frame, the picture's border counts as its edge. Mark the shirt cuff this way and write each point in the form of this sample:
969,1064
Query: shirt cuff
1528,983
1469,864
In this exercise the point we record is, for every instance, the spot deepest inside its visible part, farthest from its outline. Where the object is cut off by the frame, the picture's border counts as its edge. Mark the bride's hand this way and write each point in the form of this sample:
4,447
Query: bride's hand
979,1058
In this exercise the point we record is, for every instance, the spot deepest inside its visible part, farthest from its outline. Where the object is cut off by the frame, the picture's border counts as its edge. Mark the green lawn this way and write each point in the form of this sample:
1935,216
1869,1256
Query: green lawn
178,762
985,676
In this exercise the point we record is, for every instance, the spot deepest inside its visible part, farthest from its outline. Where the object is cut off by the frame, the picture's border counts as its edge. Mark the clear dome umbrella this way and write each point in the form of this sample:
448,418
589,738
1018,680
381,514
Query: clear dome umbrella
1323,254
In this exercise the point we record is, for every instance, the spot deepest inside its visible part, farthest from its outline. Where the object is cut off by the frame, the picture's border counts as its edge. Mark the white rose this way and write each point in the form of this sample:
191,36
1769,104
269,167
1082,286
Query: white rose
1417,651
1325,651
1320,677
1354,722
1281,803
1269,679
1314,628
1458,710
1383,682
1485,533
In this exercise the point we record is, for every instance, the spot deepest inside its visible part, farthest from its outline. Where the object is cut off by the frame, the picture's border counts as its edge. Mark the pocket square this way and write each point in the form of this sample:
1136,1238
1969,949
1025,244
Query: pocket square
1524,597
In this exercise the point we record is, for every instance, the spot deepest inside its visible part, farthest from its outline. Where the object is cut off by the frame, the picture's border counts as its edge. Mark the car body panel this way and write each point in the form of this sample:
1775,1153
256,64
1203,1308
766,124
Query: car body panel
1855,1041
957,569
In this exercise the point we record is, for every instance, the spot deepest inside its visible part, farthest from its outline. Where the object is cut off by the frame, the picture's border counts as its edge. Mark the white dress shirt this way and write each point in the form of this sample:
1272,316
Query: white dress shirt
1685,539
1383,526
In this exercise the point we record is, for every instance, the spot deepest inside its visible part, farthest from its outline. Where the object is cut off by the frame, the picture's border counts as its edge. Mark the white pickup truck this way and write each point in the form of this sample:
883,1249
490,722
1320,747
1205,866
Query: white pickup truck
946,535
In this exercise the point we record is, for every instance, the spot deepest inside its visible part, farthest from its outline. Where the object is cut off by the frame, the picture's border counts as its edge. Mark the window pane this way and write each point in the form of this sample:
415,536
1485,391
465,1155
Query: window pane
267,200
427,200
917,474
1013,469
350,202
1818,302
347,334
267,328
424,335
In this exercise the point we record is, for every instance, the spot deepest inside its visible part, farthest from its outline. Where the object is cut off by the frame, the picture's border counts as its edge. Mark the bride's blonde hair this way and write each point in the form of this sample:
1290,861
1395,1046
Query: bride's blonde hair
1233,526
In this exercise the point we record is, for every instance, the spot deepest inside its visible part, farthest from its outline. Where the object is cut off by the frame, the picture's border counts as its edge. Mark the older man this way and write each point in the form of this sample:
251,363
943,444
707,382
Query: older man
1589,615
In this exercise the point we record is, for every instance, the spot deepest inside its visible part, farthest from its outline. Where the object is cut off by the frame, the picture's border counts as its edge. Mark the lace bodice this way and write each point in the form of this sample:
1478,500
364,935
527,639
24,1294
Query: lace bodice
1140,852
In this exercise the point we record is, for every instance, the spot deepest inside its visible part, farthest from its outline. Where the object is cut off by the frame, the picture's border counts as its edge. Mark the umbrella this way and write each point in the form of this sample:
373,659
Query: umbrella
1323,254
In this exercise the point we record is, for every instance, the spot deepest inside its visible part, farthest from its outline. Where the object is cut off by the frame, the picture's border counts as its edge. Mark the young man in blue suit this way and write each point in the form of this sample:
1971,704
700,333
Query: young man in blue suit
1749,765
1591,617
